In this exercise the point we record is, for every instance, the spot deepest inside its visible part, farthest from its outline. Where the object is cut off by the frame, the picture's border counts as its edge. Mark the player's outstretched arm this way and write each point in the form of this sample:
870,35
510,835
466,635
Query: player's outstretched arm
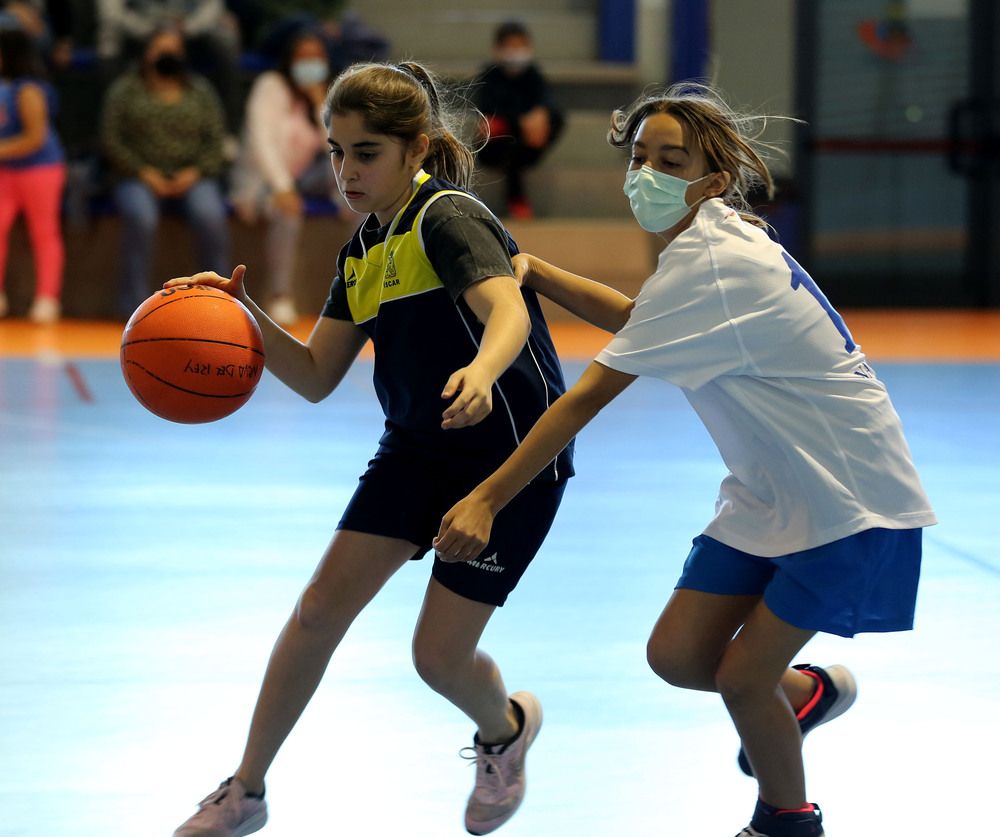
312,369
465,529
591,301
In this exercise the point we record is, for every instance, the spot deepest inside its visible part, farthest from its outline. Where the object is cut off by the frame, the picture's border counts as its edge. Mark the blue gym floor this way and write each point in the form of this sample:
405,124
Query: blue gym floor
147,568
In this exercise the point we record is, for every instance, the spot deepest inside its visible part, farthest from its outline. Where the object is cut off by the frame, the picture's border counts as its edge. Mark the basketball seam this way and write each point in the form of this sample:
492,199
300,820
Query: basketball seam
193,340
189,391
227,298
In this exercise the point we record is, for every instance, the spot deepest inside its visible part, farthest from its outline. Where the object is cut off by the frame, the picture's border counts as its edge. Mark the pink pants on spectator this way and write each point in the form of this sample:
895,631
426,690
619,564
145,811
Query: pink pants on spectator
38,192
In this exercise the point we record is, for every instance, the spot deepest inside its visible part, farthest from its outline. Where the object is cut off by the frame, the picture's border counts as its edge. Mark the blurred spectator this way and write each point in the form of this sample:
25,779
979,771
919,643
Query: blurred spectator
285,158
48,22
32,169
211,40
348,39
521,120
162,132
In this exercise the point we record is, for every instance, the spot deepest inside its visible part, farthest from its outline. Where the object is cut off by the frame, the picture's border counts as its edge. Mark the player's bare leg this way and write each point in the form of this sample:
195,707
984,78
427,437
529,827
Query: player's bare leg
354,568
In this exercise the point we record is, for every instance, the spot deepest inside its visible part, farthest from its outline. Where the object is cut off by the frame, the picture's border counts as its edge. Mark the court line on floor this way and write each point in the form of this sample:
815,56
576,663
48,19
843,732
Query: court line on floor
79,383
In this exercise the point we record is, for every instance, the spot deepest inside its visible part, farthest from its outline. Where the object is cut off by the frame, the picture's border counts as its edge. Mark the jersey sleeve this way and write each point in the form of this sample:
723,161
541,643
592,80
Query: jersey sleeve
679,329
464,242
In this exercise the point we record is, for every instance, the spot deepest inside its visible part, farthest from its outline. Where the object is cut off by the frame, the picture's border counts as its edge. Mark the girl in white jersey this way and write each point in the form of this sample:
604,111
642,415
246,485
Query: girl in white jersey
818,523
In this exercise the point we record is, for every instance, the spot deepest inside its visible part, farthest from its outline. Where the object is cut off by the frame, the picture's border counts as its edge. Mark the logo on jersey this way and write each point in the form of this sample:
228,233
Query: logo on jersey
489,564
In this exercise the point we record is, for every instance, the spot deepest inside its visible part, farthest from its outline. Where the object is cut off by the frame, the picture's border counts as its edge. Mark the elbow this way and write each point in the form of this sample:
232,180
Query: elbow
315,394
33,143
623,316
526,323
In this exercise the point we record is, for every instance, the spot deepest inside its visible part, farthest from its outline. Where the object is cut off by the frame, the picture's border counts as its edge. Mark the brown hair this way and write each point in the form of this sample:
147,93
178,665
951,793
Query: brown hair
729,140
403,101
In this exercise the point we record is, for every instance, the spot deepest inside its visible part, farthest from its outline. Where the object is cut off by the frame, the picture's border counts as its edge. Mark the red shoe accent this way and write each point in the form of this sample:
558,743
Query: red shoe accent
817,694
807,810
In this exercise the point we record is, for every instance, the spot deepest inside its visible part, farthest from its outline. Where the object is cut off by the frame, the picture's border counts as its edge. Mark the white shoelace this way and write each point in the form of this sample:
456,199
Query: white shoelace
489,776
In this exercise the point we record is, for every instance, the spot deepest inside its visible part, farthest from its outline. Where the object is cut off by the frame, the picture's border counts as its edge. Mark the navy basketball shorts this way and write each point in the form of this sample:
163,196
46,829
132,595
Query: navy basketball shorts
865,582
404,496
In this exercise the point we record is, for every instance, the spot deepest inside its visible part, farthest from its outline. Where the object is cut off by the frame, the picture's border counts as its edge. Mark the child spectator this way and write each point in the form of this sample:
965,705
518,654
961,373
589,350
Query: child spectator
522,121
32,169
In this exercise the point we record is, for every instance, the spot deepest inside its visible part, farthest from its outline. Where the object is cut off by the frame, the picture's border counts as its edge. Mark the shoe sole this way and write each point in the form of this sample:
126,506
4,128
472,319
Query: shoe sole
525,700
255,823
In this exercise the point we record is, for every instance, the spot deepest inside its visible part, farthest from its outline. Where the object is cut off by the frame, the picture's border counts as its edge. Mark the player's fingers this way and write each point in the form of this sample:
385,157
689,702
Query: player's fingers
475,410
207,277
454,384
453,549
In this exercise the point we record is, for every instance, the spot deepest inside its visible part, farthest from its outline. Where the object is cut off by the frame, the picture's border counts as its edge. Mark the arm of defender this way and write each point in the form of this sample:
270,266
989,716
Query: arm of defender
591,301
465,529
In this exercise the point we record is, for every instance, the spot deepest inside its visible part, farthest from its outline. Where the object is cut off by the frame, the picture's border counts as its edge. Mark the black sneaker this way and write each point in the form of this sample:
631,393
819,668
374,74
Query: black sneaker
768,822
834,695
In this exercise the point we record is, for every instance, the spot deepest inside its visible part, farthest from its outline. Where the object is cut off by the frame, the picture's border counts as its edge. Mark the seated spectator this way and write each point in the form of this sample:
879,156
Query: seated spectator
210,33
521,120
285,158
162,132
32,170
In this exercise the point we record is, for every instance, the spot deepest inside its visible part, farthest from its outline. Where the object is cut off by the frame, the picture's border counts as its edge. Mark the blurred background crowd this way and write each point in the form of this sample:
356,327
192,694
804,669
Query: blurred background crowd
141,139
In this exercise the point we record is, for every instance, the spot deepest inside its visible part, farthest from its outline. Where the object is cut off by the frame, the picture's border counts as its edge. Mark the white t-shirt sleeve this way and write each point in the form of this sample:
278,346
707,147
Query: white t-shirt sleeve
680,329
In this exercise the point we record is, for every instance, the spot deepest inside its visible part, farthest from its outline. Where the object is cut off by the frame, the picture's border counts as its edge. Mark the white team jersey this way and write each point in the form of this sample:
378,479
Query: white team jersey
814,447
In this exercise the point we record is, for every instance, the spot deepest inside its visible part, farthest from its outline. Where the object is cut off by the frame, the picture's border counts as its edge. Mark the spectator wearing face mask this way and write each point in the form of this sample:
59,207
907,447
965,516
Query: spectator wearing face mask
521,121
211,41
285,159
162,132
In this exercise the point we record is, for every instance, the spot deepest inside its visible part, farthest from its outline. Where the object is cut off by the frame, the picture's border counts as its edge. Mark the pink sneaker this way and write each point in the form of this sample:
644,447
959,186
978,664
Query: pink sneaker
228,812
500,779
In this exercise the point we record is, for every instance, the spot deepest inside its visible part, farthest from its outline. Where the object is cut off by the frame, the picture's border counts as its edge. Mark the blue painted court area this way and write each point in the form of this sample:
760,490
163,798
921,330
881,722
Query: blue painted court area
147,568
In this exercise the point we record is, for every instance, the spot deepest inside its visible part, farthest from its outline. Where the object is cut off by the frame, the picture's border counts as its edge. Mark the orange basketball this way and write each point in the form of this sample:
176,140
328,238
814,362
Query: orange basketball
192,354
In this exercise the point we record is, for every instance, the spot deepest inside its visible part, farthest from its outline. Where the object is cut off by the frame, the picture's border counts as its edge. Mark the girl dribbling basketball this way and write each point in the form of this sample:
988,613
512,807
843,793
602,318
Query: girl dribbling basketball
428,278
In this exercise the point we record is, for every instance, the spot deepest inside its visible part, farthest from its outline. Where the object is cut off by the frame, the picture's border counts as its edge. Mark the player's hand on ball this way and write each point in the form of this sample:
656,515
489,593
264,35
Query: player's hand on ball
465,531
232,285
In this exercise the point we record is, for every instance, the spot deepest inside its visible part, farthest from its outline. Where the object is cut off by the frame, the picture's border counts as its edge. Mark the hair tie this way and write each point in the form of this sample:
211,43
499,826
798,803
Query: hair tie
424,81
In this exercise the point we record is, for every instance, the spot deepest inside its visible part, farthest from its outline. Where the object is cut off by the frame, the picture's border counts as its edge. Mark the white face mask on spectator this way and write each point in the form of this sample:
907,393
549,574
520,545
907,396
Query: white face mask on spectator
515,59
310,71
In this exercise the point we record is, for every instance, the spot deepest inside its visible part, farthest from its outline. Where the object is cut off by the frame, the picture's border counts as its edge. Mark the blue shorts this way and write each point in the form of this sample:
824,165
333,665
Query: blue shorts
866,582
405,496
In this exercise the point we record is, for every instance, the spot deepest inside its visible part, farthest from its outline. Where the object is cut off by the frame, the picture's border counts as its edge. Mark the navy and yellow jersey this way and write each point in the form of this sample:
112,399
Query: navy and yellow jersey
403,285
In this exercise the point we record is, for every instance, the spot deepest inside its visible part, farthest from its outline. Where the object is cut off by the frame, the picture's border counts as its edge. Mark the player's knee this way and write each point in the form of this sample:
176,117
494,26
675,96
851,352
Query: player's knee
676,668
434,666
313,611
738,684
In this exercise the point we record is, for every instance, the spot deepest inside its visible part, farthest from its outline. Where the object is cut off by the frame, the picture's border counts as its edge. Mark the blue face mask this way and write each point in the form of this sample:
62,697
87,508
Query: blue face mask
310,71
657,199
